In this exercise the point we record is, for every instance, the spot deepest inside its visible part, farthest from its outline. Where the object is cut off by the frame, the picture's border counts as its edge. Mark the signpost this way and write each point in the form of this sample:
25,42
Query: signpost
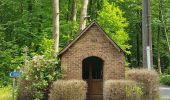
14,75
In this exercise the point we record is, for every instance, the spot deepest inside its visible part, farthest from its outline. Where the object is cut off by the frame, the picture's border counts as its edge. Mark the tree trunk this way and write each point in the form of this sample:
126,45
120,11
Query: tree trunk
139,39
30,21
158,50
72,15
30,6
138,48
69,7
164,26
91,9
83,15
158,38
74,10
40,20
56,25
166,34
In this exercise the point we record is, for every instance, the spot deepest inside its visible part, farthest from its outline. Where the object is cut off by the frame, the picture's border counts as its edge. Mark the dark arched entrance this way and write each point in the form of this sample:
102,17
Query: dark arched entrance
93,74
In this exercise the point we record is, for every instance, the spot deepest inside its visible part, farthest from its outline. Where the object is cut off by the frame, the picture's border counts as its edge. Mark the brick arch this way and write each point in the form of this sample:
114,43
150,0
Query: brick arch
99,55
93,56
106,61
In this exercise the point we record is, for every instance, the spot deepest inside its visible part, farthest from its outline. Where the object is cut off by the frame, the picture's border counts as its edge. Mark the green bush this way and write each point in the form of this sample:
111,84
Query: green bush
122,90
68,90
167,70
149,81
38,74
165,79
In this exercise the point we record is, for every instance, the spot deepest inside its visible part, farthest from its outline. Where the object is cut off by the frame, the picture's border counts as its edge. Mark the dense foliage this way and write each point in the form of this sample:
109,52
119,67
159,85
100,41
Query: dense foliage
116,24
165,79
28,23
23,24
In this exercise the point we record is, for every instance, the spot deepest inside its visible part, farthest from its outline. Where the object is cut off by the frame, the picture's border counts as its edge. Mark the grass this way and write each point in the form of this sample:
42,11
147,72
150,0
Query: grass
6,93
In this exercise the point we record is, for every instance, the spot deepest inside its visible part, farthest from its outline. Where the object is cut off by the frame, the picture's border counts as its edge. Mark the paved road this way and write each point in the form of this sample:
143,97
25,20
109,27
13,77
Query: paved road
165,91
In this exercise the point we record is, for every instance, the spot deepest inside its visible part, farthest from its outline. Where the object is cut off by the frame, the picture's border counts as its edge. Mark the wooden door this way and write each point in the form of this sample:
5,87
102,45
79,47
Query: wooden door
95,86
94,78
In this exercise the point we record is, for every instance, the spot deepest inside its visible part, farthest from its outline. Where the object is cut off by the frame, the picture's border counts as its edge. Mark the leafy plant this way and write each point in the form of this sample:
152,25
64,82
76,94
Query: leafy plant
165,79
38,74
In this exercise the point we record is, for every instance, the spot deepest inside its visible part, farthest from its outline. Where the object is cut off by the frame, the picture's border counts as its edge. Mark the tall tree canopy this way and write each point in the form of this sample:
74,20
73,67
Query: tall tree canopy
112,20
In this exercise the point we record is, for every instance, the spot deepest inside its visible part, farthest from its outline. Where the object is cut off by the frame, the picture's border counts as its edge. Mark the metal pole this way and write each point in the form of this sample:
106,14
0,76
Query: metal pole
13,88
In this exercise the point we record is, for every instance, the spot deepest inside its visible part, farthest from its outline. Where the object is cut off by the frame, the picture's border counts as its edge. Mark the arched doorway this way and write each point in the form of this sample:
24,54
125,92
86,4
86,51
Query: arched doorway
92,72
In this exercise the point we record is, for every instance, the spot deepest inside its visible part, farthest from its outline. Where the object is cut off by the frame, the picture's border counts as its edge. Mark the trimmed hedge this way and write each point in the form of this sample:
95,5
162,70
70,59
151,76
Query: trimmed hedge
122,90
23,93
68,90
149,81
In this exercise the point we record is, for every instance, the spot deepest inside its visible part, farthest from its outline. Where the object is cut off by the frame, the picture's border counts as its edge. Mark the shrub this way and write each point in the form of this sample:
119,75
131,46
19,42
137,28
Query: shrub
149,81
68,90
37,76
165,79
121,90
23,92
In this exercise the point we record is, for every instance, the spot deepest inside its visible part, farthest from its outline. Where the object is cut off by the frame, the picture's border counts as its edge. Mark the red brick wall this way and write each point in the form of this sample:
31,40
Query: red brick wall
93,43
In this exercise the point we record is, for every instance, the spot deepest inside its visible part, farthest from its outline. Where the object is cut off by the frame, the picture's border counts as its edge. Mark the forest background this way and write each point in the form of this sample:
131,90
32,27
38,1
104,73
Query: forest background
26,29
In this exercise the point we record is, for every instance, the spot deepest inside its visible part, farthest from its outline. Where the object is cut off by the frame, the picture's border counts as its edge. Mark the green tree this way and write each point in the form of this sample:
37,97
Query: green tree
112,21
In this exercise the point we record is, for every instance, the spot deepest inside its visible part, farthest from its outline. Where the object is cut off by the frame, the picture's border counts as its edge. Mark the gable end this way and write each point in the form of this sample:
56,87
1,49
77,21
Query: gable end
83,31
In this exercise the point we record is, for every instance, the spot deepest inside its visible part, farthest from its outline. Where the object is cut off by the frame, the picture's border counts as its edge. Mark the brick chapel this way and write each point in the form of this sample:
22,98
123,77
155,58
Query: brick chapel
94,57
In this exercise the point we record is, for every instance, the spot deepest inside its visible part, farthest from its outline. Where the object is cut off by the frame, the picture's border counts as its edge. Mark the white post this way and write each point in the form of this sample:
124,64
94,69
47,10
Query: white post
148,57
